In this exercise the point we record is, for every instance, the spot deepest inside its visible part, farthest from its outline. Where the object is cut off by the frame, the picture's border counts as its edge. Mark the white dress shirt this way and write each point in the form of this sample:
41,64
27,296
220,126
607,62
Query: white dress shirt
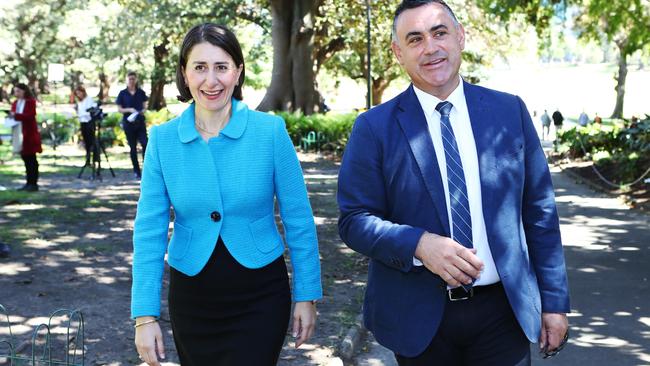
462,127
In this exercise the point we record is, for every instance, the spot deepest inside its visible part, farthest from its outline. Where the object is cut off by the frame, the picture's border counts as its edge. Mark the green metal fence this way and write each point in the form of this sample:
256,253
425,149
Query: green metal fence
58,342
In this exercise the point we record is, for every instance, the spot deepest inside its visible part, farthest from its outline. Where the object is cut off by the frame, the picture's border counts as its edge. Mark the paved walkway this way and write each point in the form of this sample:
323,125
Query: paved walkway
607,248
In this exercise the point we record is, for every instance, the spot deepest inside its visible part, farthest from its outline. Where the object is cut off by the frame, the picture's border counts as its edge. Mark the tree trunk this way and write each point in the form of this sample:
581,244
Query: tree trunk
75,80
158,79
379,85
620,81
104,86
293,85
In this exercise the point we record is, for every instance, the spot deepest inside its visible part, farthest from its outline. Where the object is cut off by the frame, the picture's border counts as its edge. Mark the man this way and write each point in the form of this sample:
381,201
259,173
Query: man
132,102
558,119
546,125
583,119
447,185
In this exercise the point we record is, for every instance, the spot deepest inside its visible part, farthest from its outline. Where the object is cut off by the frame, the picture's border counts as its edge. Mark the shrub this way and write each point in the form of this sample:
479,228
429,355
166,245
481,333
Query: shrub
335,128
56,128
155,118
622,147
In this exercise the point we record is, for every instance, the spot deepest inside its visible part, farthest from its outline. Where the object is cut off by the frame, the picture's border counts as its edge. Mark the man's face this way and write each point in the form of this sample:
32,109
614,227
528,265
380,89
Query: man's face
131,80
429,46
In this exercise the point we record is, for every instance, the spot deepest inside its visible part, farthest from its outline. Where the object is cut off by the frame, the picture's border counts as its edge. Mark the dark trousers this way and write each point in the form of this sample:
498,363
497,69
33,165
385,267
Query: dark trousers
480,331
135,132
88,136
31,168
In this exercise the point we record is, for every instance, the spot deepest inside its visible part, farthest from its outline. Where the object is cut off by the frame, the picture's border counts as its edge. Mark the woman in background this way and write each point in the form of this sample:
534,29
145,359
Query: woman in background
23,109
85,102
221,166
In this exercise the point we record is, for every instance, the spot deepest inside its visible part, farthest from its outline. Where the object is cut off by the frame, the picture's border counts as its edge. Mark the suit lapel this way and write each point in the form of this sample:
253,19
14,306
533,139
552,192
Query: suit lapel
414,124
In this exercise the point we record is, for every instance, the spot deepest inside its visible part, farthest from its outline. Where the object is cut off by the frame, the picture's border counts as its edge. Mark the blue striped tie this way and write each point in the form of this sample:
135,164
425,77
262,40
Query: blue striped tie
461,219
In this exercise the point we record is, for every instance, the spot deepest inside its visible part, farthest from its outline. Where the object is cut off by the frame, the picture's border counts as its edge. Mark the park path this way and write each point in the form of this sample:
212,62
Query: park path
607,248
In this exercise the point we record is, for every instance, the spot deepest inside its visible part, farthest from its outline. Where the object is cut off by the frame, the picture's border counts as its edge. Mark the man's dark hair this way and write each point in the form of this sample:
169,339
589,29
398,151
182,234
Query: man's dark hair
216,35
412,4
26,89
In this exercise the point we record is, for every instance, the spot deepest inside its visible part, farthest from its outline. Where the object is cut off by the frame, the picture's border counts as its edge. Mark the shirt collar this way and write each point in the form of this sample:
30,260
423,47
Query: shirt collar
429,102
234,129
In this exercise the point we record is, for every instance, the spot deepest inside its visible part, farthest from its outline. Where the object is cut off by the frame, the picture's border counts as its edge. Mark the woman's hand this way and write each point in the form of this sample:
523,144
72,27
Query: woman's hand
148,340
304,321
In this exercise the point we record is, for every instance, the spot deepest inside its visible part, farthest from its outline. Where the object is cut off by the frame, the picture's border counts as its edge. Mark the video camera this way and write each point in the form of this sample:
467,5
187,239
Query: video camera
96,113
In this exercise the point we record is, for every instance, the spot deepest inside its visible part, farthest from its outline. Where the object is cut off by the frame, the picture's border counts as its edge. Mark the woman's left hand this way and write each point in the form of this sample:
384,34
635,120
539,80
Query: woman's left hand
304,321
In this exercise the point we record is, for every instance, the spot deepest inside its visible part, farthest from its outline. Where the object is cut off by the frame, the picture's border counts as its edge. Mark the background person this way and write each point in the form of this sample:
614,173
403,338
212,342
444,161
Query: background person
546,125
85,102
583,119
132,102
466,262
23,109
220,165
558,120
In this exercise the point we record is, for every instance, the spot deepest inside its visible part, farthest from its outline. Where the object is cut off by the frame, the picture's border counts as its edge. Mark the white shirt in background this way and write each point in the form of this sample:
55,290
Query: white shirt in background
20,106
82,109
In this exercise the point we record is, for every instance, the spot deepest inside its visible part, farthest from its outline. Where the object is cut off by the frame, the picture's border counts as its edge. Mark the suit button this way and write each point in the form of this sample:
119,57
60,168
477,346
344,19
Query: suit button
215,216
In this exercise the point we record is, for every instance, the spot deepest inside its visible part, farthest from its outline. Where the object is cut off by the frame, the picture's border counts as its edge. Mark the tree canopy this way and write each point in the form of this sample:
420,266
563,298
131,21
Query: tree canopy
287,43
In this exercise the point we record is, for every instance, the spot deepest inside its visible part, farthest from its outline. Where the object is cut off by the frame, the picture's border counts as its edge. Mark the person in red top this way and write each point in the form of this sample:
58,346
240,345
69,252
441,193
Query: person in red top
23,109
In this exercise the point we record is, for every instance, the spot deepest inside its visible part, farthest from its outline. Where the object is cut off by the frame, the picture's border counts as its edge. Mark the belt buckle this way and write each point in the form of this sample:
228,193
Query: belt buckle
468,294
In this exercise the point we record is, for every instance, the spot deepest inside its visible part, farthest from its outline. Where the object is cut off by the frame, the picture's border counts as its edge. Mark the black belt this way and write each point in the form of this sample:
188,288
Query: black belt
459,293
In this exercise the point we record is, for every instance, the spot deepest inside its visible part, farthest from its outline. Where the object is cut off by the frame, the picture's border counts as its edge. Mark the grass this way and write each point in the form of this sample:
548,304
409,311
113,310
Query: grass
62,204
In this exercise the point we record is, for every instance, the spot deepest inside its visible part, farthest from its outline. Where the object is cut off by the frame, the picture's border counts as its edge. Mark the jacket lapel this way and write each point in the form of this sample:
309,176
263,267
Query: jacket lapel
414,124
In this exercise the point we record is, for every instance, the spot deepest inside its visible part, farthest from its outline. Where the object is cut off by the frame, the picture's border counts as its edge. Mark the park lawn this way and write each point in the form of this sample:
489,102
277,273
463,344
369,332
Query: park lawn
63,201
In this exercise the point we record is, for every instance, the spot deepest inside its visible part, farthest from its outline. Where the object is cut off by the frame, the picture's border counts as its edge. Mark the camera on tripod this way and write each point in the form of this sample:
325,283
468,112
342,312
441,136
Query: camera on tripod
97,115
96,112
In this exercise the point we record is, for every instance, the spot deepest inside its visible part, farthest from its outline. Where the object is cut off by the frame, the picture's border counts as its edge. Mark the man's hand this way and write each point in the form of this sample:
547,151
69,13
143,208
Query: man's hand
453,262
554,326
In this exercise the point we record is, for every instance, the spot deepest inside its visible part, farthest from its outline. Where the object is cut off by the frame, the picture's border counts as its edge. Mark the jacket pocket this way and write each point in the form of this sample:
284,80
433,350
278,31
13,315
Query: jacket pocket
180,242
265,233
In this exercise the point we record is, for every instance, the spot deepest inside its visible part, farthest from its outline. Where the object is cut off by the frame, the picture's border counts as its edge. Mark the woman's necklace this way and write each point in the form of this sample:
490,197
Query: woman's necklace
205,130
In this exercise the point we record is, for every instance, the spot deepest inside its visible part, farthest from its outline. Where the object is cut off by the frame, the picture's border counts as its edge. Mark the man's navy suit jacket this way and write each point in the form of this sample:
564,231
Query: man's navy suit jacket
390,192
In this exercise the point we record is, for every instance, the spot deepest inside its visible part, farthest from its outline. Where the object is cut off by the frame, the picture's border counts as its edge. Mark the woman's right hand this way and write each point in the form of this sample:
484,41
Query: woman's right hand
149,341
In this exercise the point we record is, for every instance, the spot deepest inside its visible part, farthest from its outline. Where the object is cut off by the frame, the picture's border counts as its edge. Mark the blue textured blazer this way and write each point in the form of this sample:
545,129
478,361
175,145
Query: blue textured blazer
230,195
390,191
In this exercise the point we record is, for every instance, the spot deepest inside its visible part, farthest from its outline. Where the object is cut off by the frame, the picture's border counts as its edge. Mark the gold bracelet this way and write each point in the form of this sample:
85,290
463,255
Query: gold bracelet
145,322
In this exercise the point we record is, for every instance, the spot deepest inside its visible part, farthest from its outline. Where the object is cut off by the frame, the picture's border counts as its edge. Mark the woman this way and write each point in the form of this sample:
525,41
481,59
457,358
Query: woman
85,102
23,109
220,165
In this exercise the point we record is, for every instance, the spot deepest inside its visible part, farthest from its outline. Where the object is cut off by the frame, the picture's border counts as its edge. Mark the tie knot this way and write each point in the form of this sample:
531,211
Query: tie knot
444,108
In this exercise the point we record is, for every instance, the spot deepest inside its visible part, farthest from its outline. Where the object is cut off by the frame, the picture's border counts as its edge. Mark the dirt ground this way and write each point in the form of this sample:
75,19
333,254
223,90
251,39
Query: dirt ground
72,249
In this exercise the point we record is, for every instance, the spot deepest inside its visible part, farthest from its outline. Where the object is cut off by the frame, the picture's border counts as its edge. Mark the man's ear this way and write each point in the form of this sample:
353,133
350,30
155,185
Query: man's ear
461,36
397,51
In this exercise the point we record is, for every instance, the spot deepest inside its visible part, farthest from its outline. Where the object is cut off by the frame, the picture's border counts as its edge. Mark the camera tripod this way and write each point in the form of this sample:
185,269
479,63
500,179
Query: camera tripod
96,149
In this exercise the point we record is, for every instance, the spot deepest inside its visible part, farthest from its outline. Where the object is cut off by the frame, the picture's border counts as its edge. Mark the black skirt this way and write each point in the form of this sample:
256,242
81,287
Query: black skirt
229,314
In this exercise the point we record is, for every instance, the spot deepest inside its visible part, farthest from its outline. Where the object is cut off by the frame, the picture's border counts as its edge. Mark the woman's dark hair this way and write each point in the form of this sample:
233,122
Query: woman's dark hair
216,35
80,88
26,89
